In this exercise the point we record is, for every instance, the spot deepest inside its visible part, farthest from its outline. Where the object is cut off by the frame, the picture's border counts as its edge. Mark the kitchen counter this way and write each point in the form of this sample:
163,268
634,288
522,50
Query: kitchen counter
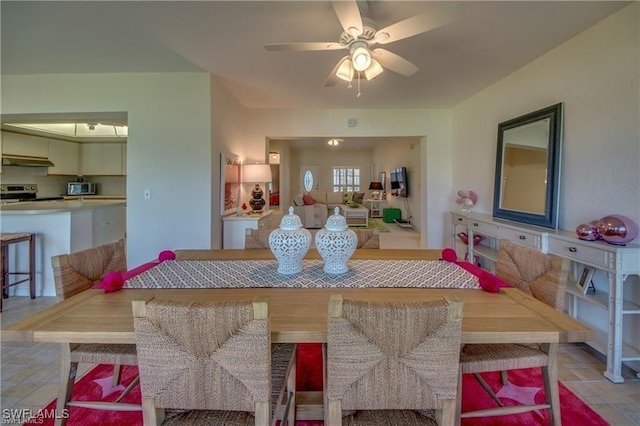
60,227
95,197
44,207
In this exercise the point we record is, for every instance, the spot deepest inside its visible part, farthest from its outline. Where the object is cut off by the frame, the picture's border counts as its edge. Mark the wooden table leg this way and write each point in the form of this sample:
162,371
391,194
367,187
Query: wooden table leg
5,268
32,266
3,274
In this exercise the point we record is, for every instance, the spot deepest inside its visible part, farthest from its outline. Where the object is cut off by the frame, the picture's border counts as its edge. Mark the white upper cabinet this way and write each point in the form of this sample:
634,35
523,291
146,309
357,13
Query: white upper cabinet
65,156
25,145
104,159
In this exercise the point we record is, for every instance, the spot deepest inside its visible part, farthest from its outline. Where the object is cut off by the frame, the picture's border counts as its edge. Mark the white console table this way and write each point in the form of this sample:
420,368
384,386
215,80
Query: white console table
494,231
235,228
617,262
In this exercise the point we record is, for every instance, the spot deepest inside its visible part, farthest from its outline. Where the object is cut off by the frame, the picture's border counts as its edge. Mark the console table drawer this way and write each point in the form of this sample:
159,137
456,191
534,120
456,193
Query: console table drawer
595,256
517,236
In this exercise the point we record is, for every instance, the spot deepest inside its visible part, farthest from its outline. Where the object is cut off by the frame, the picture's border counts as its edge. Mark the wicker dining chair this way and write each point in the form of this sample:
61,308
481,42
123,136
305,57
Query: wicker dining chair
212,363
74,273
389,363
544,277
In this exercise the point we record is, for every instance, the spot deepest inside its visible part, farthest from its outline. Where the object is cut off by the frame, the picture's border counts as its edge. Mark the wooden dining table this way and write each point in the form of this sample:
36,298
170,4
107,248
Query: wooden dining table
299,315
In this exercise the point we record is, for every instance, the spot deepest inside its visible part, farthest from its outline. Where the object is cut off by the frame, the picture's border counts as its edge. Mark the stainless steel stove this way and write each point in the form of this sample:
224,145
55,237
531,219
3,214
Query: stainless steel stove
17,192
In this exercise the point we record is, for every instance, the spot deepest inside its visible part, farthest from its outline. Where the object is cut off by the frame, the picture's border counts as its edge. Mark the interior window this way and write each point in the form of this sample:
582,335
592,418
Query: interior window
346,179
308,181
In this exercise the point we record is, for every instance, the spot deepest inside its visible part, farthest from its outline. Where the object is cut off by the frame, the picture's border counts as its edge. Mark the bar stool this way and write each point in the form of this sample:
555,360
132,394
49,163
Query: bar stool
8,238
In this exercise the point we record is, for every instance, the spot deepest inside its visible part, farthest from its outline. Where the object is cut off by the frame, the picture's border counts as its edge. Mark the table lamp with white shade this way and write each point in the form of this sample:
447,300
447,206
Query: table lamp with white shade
256,173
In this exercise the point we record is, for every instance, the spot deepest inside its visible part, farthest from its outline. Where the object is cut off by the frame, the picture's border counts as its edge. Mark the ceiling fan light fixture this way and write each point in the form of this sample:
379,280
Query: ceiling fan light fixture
345,70
361,57
374,70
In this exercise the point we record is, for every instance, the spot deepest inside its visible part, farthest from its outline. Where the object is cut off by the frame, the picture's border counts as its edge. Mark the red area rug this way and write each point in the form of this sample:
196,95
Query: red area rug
526,384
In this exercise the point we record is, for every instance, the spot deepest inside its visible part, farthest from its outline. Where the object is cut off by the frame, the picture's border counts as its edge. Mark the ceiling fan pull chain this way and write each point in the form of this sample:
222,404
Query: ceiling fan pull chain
359,84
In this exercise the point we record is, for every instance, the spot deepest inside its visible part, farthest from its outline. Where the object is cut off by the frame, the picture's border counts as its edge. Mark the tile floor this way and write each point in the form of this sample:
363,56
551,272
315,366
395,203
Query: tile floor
30,371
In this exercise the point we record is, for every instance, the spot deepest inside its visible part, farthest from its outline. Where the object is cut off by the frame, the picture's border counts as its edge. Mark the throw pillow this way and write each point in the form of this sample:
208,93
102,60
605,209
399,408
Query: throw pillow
308,200
297,200
358,197
346,197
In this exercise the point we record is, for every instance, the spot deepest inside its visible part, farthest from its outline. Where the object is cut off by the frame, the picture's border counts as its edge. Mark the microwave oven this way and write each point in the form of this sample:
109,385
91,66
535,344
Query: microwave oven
81,188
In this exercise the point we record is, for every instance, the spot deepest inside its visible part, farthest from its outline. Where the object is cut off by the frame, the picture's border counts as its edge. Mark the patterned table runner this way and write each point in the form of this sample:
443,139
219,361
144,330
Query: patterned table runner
262,273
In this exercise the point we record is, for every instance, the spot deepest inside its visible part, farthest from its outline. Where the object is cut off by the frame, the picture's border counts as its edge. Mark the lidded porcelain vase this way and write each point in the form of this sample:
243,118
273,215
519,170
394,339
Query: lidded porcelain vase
336,243
290,243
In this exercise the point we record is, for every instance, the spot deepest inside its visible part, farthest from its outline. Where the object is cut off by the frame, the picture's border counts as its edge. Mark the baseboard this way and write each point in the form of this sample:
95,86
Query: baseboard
403,223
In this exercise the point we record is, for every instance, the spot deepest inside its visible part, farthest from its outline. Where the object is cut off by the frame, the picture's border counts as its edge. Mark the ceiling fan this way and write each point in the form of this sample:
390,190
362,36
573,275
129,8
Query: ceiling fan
360,35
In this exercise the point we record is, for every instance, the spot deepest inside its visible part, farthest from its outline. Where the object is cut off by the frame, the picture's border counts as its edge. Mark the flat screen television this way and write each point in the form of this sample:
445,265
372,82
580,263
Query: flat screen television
399,182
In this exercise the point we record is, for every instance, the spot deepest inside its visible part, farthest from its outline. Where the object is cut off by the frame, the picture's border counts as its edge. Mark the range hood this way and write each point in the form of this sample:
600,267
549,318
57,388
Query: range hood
9,160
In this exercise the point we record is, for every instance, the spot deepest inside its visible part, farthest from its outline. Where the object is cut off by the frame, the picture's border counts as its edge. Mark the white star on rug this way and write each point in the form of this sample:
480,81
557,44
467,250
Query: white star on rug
107,387
523,394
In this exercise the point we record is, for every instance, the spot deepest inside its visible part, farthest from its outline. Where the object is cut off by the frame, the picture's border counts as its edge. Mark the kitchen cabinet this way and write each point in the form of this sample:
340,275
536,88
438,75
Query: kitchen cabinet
24,145
124,159
102,159
613,311
65,156
235,228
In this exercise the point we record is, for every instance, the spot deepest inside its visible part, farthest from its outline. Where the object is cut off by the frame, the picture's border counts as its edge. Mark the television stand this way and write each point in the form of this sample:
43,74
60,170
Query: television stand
403,223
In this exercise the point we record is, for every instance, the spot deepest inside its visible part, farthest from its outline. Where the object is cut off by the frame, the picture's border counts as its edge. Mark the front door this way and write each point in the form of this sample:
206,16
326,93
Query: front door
307,179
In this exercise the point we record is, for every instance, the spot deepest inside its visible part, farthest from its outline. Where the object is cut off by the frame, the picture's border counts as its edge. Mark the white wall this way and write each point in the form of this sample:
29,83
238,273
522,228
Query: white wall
169,146
595,75
227,135
325,159
180,122
403,152
432,127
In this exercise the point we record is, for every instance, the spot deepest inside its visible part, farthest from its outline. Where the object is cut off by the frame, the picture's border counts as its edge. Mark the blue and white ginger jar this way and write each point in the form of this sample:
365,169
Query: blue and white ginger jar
336,243
290,243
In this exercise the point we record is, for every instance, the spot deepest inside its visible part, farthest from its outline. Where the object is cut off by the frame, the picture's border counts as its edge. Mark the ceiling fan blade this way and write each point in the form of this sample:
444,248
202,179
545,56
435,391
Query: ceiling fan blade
419,24
296,47
394,62
349,16
333,76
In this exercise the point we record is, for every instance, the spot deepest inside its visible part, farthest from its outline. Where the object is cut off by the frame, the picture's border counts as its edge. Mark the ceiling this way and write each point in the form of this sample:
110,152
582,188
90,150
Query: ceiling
491,41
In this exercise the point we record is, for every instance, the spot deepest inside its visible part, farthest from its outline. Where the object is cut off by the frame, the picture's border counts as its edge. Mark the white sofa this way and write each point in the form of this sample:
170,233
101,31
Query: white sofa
315,215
